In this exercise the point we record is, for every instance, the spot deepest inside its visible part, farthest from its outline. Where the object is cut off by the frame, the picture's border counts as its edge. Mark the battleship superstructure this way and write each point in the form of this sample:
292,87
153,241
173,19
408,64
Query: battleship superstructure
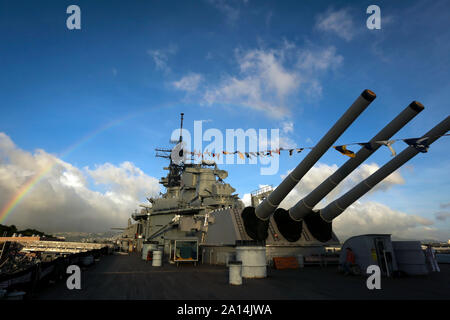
193,191
198,204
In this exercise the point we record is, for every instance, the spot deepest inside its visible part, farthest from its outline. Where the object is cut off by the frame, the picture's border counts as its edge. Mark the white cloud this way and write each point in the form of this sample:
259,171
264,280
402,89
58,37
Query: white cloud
287,126
338,22
188,83
126,180
319,172
268,79
63,200
161,57
373,217
311,61
248,92
282,140
268,65
365,170
314,62
247,199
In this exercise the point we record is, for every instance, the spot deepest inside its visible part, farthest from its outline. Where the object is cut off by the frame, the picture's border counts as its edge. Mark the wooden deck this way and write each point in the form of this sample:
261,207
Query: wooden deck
128,277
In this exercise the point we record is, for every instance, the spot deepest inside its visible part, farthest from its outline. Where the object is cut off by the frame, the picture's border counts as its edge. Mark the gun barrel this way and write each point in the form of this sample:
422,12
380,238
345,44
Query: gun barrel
304,206
268,206
335,208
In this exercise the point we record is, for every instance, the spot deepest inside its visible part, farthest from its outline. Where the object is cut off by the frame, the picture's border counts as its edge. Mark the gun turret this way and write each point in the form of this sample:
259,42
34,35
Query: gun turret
320,223
290,224
256,221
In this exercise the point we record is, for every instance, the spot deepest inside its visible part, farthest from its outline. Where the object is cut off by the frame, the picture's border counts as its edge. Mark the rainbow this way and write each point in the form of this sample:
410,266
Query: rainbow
23,190
28,186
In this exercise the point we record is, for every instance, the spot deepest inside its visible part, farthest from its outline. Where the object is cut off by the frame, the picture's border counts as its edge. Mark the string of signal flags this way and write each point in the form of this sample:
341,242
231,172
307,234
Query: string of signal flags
421,144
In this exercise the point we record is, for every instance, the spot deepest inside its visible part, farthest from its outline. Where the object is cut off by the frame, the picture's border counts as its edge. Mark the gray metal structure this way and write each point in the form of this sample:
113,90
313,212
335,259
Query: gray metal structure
371,249
192,192
290,221
320,222
335,208
304,206
198,203
183,210
256,220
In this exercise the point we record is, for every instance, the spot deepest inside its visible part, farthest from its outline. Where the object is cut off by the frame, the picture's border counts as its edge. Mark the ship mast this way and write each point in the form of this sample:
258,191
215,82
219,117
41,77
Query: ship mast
175,170
181,128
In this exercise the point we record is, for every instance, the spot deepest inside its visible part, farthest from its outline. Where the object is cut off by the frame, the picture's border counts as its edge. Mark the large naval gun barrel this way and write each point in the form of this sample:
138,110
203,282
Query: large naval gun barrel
256,221
335,208
305,206
320,224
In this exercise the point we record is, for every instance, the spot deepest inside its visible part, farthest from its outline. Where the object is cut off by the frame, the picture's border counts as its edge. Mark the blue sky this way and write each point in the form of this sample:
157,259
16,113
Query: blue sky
58,85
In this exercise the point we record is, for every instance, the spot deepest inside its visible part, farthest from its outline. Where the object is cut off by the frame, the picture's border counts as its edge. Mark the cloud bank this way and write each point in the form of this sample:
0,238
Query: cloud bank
64,199
266,80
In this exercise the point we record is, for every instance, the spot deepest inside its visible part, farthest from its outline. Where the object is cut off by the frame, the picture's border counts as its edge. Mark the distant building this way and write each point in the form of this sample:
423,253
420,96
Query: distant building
18,239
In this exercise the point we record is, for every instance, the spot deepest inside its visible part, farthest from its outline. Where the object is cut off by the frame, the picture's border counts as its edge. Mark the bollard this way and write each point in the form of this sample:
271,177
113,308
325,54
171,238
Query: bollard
235,275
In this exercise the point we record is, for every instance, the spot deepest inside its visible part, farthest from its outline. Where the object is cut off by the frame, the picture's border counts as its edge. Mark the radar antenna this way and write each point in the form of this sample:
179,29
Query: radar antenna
175,170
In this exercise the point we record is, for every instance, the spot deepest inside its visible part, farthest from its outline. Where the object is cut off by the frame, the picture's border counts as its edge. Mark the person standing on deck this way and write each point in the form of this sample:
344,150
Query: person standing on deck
349,261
